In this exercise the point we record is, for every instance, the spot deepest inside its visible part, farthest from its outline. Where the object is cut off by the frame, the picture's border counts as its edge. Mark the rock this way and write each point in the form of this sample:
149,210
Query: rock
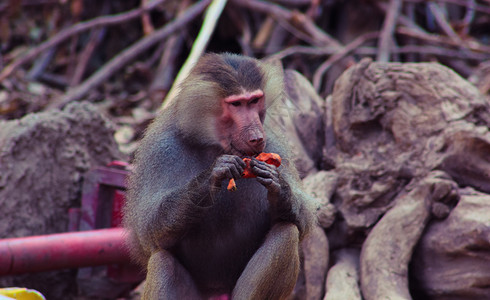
315,248
388,248
464,155
299,115
321,186
394,107
343,277
43,157
453,257
391,123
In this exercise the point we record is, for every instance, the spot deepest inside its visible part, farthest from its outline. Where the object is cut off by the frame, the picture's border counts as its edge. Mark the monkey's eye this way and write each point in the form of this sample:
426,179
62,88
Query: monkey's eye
236,103
254,101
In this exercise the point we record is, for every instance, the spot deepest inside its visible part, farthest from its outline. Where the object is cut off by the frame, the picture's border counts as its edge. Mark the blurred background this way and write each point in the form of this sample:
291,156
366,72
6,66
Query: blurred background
49,47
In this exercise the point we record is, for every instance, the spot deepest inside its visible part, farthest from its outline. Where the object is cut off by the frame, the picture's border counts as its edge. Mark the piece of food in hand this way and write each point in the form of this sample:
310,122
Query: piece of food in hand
231,185
268,158
247,172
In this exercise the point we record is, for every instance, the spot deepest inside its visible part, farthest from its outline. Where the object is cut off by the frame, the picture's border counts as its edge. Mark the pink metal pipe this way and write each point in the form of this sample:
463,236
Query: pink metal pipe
63,251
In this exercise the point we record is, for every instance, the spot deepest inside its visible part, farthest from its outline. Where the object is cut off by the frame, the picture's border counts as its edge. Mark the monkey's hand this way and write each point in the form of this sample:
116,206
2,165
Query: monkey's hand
267,175
279,192
226,167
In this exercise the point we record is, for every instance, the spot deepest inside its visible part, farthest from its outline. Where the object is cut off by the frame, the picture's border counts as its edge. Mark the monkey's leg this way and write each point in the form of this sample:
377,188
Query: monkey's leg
273,270
166,278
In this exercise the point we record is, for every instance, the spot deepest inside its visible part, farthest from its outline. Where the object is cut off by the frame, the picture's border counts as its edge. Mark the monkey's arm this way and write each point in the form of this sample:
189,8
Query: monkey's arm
305,216
175,210
167,197
288,202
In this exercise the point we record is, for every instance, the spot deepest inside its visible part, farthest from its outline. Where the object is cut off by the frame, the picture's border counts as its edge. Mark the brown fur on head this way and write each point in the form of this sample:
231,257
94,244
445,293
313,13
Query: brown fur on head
197,107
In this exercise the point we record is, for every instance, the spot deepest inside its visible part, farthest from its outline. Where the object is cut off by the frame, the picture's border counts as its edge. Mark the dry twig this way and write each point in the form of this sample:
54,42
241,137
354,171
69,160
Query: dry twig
468,17
148,27
429,50
171,49
130,53
301,50
386,37
477,7
473,45
84,57
73,30
212,15
296,18
317,78
441,20
402,19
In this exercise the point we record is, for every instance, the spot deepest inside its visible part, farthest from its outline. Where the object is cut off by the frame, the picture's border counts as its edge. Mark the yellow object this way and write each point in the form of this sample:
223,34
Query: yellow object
21,294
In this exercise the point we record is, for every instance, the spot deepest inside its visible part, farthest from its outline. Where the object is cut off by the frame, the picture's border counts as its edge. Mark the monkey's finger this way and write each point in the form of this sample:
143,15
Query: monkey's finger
270,184
227,159
236,171
223,173
262,165
265,181
256,162
240,162
230,170
266,167
265,173
239,168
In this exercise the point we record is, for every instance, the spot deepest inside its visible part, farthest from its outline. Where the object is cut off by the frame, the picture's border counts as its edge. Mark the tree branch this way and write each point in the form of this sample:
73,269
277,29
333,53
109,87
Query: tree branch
386,38
75,29
130,53
212,15
317,77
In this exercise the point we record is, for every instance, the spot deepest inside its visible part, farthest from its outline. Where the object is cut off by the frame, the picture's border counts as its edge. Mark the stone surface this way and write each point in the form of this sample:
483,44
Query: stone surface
452,260
389,126
299,117
391,123
321,186
343,277
387,251
43,157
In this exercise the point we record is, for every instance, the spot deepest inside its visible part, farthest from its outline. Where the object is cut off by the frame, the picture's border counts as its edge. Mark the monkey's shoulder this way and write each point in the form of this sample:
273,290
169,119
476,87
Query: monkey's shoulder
162,156
164,144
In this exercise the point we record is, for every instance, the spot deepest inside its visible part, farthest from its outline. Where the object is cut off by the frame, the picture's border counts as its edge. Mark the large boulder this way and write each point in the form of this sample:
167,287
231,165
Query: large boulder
405,140
43,158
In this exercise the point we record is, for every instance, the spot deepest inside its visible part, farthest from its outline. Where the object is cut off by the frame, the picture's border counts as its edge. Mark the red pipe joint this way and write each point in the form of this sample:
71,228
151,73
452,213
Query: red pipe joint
63,251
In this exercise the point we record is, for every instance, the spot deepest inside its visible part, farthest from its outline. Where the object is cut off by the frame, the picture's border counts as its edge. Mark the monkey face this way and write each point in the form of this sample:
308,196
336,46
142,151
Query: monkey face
223,103
240,124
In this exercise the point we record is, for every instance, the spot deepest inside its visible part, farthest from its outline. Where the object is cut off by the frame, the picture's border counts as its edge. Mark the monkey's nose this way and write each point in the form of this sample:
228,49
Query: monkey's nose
257,145
256,141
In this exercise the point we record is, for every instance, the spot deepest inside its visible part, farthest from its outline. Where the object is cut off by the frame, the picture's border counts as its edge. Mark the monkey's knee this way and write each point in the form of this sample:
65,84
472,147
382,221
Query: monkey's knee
166,278
285,233
273,270
284,238
285,257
